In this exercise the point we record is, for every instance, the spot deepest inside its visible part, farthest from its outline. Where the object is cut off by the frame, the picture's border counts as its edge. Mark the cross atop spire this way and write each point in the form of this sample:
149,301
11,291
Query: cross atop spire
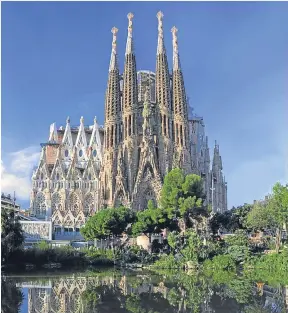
129,44
160,47
176,61
113,60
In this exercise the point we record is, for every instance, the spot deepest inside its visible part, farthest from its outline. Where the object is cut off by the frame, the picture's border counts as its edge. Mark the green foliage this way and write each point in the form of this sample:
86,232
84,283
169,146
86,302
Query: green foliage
11,296
66,256
12,236
220,262
238,246
167,262
43,245
151,220
238,217
274,264
135,254
278,204
107,222
260,218
182,196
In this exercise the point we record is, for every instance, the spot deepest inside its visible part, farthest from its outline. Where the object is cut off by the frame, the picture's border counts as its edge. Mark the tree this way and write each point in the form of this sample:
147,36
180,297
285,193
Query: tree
238,246
272,214
182,197
151,220
238,217
220,220
108,222
260,218
12,236
11,296
278,209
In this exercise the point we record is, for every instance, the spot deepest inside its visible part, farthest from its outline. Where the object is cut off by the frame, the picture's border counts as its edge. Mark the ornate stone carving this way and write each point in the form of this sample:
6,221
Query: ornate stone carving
35,230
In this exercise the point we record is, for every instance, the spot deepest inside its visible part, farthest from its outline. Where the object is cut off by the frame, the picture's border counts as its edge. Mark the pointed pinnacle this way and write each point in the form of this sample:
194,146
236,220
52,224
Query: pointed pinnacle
160,15
68,120
129,44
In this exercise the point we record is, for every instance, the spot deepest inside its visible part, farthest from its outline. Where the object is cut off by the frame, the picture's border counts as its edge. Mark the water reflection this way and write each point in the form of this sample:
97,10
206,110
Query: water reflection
142,292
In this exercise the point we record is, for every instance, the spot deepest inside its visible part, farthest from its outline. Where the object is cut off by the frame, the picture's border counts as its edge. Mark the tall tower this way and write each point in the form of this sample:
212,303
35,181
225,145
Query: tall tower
130,111
112,127
219,197
182,156
163,100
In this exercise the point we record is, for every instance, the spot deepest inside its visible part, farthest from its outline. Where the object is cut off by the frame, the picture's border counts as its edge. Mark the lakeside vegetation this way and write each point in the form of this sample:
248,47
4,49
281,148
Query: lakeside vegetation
192,242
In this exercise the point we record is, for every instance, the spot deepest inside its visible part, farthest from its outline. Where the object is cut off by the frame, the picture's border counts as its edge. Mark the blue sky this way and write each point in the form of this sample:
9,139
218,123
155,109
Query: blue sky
234,55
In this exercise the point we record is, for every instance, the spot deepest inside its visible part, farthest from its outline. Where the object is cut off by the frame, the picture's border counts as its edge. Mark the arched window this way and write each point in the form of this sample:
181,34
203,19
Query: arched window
40,204
56,203
88,205
74,204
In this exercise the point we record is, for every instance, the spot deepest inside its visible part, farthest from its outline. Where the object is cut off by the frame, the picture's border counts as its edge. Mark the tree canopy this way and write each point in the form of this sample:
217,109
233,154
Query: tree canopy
182,196
12,236
108,222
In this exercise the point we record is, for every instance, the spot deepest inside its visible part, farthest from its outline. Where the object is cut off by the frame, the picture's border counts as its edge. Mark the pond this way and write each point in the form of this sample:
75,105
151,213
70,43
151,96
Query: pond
139,291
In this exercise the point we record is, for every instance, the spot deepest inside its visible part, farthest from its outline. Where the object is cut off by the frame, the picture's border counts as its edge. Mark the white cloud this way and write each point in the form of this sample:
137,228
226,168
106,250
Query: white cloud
16,171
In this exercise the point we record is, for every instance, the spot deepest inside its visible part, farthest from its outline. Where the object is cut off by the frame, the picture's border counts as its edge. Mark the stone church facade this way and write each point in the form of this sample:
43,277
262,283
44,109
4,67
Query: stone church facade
85,168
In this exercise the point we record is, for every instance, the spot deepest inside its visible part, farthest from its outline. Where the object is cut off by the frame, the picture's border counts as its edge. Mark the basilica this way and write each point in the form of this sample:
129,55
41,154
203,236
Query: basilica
149,129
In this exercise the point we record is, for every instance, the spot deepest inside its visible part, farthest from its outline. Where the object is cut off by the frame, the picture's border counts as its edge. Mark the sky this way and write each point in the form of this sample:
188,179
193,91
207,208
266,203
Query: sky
234,56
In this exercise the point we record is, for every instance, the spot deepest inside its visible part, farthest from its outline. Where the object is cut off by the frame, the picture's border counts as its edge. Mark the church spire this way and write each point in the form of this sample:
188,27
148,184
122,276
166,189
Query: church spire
161,46
113,96
179,104
130,90
179,94
176,59
162,71
129,43
113,60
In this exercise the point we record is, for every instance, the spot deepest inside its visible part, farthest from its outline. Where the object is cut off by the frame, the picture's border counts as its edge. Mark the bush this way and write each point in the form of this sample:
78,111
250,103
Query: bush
220,262
167,262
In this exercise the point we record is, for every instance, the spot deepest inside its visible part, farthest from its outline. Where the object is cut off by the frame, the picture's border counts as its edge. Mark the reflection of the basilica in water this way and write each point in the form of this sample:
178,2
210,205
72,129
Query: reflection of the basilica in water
64,294
78,294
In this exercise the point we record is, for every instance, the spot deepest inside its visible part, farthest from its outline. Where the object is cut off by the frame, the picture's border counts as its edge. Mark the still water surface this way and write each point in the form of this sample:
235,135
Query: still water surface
139,292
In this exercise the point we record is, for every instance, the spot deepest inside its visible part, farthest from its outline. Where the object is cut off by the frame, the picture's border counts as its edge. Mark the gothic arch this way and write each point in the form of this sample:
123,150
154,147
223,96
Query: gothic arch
57,203
74,204
40,204
146,193
69,220
120,198
80,220
148,168
89,206
57,218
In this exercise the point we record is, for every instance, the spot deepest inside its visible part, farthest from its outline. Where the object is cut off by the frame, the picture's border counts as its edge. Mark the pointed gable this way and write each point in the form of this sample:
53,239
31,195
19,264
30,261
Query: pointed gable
67,141
95,142
81,141
42,171
53,136
58,168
